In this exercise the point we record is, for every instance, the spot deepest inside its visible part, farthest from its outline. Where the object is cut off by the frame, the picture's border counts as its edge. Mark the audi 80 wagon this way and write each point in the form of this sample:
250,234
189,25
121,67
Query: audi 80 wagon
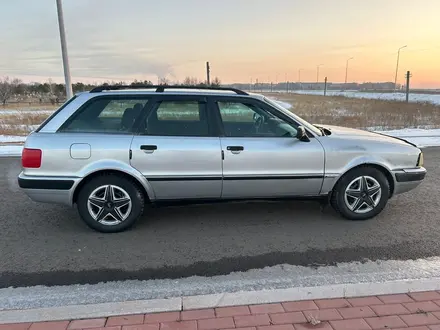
114,149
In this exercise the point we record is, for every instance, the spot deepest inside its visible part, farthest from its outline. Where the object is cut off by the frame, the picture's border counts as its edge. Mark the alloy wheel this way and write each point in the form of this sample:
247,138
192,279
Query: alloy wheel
109,205
363,194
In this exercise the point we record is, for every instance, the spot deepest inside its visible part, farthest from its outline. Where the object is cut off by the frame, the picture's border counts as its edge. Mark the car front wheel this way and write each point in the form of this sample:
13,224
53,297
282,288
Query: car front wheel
361,193
110,203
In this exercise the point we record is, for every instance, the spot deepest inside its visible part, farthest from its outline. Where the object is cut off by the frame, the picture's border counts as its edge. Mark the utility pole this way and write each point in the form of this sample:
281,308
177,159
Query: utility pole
68,81
407,76
208,80
299,79
325,86
317,74
397,66
346,71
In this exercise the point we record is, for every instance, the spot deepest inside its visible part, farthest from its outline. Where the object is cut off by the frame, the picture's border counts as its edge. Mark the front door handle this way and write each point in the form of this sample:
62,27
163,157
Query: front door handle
235,148
148,148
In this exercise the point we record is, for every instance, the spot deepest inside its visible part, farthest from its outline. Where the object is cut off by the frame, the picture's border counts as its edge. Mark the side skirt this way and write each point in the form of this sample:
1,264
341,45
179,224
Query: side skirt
322,199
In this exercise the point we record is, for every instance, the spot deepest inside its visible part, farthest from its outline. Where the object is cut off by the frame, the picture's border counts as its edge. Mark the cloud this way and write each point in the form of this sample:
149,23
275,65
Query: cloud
110,62
34,50
87,61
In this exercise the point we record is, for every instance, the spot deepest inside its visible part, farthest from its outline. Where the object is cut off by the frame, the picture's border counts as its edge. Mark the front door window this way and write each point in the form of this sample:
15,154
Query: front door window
249,120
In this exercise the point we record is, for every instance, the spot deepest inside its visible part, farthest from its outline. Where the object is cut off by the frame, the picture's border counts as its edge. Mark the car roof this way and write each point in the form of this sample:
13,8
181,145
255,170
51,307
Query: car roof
185,92
171,90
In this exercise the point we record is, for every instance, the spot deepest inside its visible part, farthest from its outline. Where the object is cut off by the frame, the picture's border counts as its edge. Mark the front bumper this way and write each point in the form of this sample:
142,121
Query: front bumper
56,190
408,179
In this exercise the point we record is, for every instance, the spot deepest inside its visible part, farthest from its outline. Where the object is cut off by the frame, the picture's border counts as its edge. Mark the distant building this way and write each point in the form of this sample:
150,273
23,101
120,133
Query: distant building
280,87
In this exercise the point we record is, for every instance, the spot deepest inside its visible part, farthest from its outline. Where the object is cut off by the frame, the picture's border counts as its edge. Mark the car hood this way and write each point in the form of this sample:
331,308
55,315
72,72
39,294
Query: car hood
358,134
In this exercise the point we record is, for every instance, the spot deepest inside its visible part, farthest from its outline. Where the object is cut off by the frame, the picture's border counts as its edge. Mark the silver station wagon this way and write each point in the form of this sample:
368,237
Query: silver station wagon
114,149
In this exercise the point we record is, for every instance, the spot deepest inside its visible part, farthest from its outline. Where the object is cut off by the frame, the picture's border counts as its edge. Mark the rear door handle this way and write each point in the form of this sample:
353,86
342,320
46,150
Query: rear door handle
148,148
235,148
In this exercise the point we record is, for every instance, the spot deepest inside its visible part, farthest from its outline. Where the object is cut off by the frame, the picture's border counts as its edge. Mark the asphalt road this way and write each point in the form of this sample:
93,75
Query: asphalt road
49,245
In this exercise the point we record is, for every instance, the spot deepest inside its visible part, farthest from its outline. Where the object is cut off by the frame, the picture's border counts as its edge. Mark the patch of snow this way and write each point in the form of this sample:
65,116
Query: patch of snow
342,112
414,132
420,137
23,127
10,150
25,111
12,138
413,97
283,104
390,274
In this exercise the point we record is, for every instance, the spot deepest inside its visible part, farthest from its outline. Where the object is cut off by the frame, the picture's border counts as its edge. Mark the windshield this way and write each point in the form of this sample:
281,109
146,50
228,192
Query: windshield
301,121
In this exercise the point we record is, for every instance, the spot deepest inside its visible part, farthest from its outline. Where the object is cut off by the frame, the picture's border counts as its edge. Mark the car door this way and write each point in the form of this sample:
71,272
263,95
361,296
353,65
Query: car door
176,149
262,156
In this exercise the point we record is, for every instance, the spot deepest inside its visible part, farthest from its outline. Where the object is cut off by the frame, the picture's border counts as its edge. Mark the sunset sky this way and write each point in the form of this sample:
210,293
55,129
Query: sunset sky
243,39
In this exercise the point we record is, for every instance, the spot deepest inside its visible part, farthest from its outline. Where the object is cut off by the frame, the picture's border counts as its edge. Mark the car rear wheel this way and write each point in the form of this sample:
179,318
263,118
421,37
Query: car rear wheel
361,193
110,203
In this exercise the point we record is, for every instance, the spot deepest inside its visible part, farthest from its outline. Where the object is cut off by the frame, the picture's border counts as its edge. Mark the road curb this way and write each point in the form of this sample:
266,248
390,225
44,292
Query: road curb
218,300
309,293
75,312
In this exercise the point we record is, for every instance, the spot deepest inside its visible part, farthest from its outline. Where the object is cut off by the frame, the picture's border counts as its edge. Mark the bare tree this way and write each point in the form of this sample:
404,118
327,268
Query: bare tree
141,83
164,81
7,88
51,87
216,82
52,93
190,81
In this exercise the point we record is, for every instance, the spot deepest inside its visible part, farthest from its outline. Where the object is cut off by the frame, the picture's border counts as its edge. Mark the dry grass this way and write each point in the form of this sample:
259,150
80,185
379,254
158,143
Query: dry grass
20,123
21,118
29,106
362,113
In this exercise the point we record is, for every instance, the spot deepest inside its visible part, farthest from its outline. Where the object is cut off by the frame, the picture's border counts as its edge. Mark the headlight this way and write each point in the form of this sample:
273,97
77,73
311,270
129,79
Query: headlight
420,160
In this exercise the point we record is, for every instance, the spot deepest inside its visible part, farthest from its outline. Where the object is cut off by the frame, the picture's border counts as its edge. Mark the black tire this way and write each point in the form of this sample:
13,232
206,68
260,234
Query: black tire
338,201
120,182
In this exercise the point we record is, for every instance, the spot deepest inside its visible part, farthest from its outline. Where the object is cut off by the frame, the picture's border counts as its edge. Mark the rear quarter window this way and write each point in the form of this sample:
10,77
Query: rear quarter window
106,115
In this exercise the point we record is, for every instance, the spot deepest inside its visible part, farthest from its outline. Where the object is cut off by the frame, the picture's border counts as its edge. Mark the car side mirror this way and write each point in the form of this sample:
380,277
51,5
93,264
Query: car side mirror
301,134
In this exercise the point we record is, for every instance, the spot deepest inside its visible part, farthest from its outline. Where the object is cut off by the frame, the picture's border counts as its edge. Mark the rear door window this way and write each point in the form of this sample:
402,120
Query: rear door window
178,118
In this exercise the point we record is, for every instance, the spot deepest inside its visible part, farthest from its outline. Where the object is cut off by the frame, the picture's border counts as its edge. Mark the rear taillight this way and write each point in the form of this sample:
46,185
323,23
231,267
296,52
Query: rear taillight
31,158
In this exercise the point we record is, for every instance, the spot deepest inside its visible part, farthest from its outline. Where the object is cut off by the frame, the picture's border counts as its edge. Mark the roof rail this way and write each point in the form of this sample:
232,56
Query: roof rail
161,88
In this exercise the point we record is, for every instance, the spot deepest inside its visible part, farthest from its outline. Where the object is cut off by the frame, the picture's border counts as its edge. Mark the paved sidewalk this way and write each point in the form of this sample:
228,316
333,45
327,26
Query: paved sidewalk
413,311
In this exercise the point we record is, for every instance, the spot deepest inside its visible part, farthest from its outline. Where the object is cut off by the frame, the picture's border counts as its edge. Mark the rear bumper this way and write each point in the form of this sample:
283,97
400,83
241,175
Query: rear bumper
48,189
46,184
408,179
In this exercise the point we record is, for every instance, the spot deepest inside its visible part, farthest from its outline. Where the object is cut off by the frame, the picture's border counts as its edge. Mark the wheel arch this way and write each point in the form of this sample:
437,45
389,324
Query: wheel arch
377,166
143,186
